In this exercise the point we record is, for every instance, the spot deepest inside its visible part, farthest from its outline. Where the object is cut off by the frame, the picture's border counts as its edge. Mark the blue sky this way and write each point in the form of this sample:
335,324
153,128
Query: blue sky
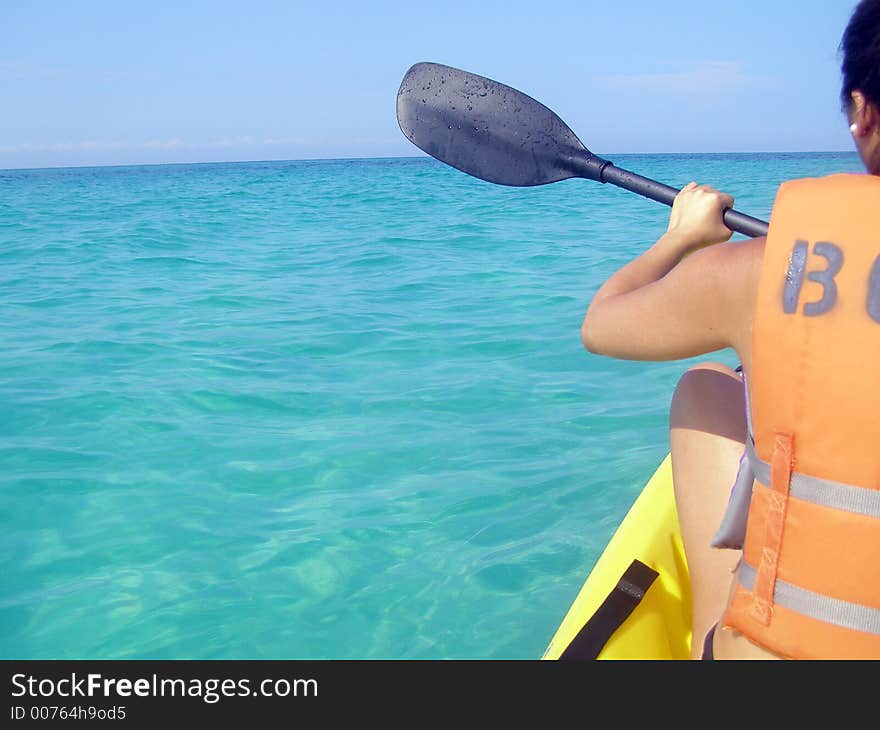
94,83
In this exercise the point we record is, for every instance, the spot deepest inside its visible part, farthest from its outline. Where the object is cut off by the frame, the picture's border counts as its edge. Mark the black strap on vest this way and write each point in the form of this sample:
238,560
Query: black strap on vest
615,609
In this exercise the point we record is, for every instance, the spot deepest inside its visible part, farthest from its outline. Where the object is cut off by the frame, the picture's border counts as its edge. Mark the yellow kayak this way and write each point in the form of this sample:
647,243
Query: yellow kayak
635,603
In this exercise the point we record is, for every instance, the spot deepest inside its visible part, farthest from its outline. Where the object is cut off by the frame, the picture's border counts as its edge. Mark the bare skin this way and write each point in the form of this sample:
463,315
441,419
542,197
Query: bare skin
692,293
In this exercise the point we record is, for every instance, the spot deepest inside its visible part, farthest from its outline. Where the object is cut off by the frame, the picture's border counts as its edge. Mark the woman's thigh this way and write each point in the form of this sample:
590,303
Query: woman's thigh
707,434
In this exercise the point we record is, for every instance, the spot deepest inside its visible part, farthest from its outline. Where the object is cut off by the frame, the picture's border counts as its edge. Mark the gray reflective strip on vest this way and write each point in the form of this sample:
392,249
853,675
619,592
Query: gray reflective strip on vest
823,492
815,605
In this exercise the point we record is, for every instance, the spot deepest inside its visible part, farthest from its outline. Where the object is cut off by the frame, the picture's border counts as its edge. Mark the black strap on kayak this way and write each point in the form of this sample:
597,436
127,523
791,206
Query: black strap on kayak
615,609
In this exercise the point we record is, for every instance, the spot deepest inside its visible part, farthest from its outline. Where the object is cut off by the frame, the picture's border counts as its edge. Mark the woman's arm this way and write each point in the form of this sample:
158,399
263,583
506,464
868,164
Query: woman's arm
667,305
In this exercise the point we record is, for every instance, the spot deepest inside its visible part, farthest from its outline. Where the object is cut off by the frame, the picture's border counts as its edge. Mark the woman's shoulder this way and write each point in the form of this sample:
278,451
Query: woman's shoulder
734,268
739,259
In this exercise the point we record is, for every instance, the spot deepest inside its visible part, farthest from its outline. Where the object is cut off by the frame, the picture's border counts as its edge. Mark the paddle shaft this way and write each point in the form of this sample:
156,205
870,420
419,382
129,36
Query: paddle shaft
733,219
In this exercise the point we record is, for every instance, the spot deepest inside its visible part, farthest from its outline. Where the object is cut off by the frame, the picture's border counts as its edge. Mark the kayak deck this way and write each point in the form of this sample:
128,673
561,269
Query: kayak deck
659,625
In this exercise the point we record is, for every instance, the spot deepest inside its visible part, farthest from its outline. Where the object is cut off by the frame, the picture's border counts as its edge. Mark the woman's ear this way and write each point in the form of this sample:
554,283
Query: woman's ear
865,127
864,116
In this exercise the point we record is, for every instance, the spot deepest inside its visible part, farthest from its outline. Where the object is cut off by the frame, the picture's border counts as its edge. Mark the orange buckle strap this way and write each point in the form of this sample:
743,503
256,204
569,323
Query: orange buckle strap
781,466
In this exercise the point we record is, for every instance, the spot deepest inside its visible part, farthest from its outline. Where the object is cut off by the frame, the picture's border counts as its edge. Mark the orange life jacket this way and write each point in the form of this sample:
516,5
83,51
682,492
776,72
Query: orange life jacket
808,585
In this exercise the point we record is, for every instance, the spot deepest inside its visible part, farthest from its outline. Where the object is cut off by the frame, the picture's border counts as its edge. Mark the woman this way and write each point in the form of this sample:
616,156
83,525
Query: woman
801,308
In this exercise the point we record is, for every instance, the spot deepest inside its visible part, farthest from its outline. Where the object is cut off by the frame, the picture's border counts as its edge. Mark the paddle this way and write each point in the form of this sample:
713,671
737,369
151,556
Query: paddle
500,135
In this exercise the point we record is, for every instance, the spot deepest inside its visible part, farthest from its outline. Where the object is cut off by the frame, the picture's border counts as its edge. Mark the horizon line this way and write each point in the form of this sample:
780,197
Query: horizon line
390,157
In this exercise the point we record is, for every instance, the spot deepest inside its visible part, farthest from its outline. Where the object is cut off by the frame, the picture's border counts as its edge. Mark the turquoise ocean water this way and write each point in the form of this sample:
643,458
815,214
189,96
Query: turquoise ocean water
309,410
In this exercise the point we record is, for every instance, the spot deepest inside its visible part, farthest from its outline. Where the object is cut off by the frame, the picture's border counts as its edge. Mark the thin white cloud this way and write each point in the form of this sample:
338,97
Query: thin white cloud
61,146
30,71
64,146
178,144
25,71
706,79
97,145
163,144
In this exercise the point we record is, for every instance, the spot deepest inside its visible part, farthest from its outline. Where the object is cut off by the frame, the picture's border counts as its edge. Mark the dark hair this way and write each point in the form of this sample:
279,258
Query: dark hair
860,47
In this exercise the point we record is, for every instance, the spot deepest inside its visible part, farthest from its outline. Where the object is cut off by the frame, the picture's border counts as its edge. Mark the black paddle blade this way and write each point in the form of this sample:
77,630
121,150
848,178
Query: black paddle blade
489,130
